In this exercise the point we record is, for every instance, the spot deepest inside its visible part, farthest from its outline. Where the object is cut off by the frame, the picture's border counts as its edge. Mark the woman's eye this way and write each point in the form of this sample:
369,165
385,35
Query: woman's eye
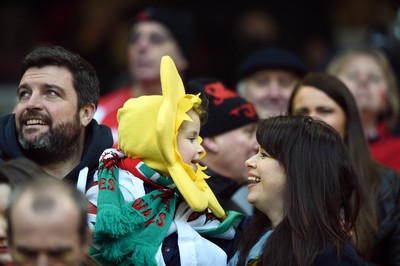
301,112
325,111
351,75
374,78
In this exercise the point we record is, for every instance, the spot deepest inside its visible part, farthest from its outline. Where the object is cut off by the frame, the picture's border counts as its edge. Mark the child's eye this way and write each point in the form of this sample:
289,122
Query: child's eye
192,139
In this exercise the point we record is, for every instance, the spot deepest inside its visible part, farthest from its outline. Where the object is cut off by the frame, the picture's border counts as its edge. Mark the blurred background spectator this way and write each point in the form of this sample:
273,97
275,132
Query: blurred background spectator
97,29
368,74
154,32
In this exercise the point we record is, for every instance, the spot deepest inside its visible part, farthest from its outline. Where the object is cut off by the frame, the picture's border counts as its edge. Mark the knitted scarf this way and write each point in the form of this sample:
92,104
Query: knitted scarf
131,233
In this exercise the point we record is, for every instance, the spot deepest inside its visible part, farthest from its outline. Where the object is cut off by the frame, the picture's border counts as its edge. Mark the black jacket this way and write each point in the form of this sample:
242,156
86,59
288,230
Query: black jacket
97,139
386,249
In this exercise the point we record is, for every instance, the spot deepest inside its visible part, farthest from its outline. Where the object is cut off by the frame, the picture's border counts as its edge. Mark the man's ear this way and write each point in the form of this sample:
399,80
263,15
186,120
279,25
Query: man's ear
210,144
86,113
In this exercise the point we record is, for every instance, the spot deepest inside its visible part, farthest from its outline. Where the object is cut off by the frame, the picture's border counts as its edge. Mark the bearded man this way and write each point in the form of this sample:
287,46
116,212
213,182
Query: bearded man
53,122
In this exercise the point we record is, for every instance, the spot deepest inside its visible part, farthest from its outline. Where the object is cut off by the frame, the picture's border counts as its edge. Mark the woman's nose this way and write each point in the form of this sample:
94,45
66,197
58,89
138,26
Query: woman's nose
251,162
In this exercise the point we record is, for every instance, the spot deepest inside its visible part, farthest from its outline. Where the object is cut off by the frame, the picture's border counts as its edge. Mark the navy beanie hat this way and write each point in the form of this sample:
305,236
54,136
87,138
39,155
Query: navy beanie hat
180,23
226,109
271,58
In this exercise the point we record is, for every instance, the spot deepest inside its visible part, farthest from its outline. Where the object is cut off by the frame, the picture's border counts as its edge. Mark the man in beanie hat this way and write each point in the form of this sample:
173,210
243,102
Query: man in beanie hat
229,139
155,32
267,78
154,206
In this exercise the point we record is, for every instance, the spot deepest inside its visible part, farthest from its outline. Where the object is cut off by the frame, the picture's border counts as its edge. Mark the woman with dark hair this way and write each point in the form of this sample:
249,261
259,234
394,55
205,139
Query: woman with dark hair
306,193
325,97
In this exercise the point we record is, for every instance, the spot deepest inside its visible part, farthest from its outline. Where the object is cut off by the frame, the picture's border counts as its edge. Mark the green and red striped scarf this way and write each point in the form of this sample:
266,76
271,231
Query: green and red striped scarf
131,232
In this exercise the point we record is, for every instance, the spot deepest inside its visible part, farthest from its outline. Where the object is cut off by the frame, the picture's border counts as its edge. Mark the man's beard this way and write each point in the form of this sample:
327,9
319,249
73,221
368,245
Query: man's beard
58,144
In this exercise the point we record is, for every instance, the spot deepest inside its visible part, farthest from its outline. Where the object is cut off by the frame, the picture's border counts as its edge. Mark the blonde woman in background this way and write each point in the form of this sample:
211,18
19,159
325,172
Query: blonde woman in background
366,71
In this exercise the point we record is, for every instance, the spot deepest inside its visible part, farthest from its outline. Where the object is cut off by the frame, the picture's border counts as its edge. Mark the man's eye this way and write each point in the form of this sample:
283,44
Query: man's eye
261,82
249,132
58,253
157,38
133,38
26,252
286,82
52,93
23,94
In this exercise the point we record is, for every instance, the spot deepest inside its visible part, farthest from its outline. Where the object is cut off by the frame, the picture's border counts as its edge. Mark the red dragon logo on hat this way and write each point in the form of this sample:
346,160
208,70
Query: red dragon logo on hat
219,92
246,109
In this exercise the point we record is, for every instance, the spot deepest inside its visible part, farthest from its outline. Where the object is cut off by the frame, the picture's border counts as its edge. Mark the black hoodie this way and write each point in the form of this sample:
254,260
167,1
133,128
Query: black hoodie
97,139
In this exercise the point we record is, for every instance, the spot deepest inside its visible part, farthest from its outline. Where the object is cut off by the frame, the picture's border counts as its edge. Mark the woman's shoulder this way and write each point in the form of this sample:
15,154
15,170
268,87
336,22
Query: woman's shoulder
389,207
389,183
387,172
329,256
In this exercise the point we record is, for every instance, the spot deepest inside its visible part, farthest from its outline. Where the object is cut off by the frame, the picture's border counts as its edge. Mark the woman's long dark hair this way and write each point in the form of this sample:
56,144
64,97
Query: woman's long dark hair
321,197
357,146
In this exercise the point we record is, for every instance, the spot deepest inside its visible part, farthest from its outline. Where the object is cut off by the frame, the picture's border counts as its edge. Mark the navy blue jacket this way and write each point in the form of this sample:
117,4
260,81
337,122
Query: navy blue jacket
97,139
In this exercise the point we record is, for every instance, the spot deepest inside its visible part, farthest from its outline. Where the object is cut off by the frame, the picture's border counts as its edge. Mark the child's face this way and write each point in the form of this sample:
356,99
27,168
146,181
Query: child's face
188,146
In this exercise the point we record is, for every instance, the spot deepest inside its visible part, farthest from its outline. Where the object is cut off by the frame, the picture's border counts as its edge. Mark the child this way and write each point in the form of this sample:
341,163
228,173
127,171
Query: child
154,206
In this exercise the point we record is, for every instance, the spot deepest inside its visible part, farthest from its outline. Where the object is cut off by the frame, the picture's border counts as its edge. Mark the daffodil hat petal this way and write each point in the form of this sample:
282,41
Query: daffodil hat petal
172,112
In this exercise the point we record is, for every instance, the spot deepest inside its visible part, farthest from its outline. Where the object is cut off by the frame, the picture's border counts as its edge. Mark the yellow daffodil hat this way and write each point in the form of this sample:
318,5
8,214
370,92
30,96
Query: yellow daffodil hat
148,128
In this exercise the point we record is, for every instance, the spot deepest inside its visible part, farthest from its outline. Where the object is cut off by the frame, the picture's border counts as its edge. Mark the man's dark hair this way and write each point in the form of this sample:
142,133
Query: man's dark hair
84,77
